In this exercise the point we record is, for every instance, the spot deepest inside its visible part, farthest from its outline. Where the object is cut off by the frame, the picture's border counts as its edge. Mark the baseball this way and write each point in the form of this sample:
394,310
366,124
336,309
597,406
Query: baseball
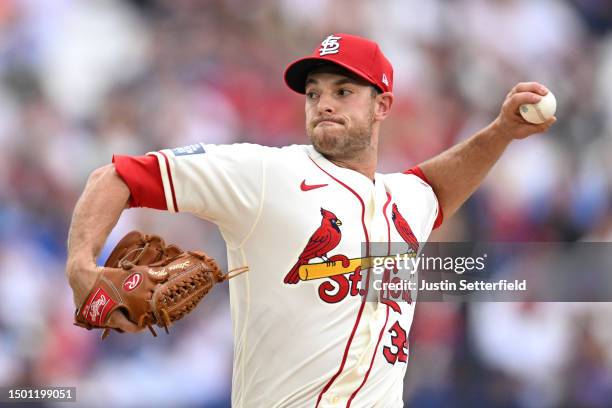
540,112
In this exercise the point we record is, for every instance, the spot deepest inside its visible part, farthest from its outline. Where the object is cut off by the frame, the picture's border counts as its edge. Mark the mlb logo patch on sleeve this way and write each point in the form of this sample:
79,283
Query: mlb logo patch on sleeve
187,150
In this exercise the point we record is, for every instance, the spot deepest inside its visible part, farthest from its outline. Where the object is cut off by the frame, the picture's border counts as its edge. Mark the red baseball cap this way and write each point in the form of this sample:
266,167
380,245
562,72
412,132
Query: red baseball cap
358,55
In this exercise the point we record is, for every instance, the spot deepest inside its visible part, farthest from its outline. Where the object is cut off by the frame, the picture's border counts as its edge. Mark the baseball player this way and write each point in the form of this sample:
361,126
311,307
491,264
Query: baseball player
297,216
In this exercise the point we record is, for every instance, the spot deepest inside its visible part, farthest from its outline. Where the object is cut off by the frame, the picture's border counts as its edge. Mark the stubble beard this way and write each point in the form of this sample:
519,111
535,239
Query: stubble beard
342,143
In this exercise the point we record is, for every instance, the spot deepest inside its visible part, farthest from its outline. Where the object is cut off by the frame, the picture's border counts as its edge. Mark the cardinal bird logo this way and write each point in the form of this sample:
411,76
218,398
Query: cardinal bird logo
324,239
401,225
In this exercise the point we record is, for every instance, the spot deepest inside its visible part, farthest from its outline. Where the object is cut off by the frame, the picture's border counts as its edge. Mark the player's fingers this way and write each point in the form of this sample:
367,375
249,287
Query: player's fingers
543,127
534,87
548,123
119,321
522,98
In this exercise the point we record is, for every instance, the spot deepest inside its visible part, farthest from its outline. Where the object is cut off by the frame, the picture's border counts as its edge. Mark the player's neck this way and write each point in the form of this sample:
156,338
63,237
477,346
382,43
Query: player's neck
365,163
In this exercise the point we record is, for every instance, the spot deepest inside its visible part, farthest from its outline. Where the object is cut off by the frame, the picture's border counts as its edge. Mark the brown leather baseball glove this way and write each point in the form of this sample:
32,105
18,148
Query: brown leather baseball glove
150,282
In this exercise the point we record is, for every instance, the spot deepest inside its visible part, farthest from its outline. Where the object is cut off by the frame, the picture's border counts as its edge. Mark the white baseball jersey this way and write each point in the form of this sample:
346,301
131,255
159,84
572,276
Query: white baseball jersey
303,335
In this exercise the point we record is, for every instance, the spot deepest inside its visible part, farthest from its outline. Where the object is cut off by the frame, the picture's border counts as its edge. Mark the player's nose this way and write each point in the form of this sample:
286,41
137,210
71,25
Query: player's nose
326,104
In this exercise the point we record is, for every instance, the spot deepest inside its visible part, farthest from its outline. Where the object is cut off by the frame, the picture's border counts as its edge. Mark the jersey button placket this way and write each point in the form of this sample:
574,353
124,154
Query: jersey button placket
338,401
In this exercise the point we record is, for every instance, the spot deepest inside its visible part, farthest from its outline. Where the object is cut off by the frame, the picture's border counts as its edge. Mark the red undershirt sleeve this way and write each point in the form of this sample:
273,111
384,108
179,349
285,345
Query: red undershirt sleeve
143,178
416,170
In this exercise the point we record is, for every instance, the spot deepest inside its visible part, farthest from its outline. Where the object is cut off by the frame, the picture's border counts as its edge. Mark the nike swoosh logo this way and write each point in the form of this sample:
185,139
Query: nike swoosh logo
306,187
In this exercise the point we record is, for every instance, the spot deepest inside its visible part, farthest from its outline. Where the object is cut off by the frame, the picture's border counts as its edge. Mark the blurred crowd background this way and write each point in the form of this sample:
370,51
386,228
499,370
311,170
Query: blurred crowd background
81,80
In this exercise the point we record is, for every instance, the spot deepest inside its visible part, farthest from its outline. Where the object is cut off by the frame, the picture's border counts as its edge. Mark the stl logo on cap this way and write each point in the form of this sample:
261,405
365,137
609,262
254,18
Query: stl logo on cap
330,45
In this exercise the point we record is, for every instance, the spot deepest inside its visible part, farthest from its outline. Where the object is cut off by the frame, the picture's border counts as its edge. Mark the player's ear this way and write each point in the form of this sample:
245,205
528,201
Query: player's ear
382,105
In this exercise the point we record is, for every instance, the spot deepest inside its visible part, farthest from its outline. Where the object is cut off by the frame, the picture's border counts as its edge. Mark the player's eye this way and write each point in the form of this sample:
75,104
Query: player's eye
344,92
311,95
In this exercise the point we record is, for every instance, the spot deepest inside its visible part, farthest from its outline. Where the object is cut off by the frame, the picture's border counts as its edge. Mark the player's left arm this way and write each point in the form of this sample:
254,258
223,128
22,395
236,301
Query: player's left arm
457,172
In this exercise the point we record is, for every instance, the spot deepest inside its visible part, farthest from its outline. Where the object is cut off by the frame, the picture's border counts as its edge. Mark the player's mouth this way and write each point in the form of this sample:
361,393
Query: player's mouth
327,122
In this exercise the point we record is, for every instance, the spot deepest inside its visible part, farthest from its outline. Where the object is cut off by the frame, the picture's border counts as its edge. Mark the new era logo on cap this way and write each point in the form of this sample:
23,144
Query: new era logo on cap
356,54
330,45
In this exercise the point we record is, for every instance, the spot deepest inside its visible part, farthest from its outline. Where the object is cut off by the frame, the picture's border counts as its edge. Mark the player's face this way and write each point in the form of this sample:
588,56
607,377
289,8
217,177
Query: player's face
339,114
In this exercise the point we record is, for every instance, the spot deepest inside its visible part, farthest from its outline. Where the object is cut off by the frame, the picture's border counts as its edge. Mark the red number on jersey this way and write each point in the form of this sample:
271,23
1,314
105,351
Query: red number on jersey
399,342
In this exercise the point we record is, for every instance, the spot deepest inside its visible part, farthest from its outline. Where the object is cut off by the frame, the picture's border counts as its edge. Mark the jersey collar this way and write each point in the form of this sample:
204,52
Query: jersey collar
353,178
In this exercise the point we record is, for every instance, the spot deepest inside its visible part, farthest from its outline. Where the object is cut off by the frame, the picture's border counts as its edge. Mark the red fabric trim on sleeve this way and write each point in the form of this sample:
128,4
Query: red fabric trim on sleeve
143,178
171,182
416,170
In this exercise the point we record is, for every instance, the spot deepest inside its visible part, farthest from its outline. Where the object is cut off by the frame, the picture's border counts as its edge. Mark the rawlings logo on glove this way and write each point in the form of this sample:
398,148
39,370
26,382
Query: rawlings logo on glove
132,281
151,283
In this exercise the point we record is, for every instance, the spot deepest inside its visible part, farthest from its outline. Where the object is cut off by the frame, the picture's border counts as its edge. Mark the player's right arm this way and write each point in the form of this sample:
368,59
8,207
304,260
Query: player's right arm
96,213
222,184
